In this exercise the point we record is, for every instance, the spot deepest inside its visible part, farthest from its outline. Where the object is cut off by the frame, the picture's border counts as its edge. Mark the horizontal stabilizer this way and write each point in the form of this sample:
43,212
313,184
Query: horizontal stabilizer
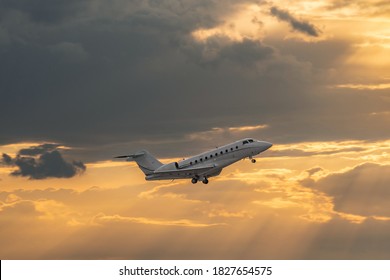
122,156
132,156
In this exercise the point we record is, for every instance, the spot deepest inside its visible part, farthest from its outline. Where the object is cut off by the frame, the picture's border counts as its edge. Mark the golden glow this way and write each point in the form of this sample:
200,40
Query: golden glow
141,220
362,87
247,128
244,24
278,203
217,132
364,26
204,34
12,149
352,218
243,197
109,163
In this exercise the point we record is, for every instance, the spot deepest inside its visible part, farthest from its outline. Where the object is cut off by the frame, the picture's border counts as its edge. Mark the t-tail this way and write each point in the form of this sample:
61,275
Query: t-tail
146,162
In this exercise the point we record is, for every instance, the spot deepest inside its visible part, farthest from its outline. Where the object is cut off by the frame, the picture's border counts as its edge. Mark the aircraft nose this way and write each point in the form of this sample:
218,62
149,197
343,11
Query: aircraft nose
266,145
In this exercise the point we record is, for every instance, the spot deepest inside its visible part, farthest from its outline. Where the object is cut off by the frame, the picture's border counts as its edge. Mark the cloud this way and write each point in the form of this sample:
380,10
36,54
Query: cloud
38,150
339,240
379,86
116,76
142,47
168,227
298,25
177,221
43,161
221,133
44,11
76,76
69,52
361,7
280,152
7,160
314,170
17,209
101,218
363,190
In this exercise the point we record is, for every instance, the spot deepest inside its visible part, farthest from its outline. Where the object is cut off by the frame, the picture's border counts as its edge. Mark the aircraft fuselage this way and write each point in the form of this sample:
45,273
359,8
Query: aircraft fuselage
201,166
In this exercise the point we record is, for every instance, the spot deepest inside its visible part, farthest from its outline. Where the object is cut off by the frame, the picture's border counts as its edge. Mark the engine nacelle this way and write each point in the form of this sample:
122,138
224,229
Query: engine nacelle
171,166
167,167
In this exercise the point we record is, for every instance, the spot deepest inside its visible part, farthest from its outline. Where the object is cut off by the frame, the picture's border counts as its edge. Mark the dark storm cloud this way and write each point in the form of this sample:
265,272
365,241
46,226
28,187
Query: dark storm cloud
42,162
43,11
247,52
298,25
217,52
137,76
363,190
6,159
100,73
38,150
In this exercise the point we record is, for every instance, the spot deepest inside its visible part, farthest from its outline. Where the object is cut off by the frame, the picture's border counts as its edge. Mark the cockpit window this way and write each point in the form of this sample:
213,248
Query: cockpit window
245,142
250,141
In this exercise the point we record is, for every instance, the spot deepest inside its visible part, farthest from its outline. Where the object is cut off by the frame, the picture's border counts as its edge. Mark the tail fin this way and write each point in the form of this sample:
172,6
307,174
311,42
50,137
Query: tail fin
146,162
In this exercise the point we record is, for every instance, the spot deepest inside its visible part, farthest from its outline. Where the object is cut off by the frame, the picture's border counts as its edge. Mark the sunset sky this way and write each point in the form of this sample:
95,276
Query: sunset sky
82,81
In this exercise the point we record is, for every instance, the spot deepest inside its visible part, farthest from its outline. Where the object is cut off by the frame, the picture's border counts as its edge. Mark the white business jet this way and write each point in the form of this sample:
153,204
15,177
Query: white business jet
199,167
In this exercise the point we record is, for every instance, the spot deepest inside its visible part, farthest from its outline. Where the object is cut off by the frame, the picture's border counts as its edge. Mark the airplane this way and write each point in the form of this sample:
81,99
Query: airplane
199,167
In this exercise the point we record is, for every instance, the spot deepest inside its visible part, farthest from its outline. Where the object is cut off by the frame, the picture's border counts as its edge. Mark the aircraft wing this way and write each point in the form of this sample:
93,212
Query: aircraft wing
197,170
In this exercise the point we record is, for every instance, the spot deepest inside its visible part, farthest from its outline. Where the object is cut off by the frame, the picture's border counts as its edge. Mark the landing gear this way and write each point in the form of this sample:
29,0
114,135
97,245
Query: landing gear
195,180
253,160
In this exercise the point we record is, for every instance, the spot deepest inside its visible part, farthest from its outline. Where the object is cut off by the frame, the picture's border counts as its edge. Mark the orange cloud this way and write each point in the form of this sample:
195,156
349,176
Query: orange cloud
290,197
365,86
101,218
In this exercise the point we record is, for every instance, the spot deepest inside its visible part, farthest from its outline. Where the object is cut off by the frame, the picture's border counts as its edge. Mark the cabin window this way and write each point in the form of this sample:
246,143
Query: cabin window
196,161
190,162
211,156
201,159
236,147
221,152
205,157
227,150
231,149
216,154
